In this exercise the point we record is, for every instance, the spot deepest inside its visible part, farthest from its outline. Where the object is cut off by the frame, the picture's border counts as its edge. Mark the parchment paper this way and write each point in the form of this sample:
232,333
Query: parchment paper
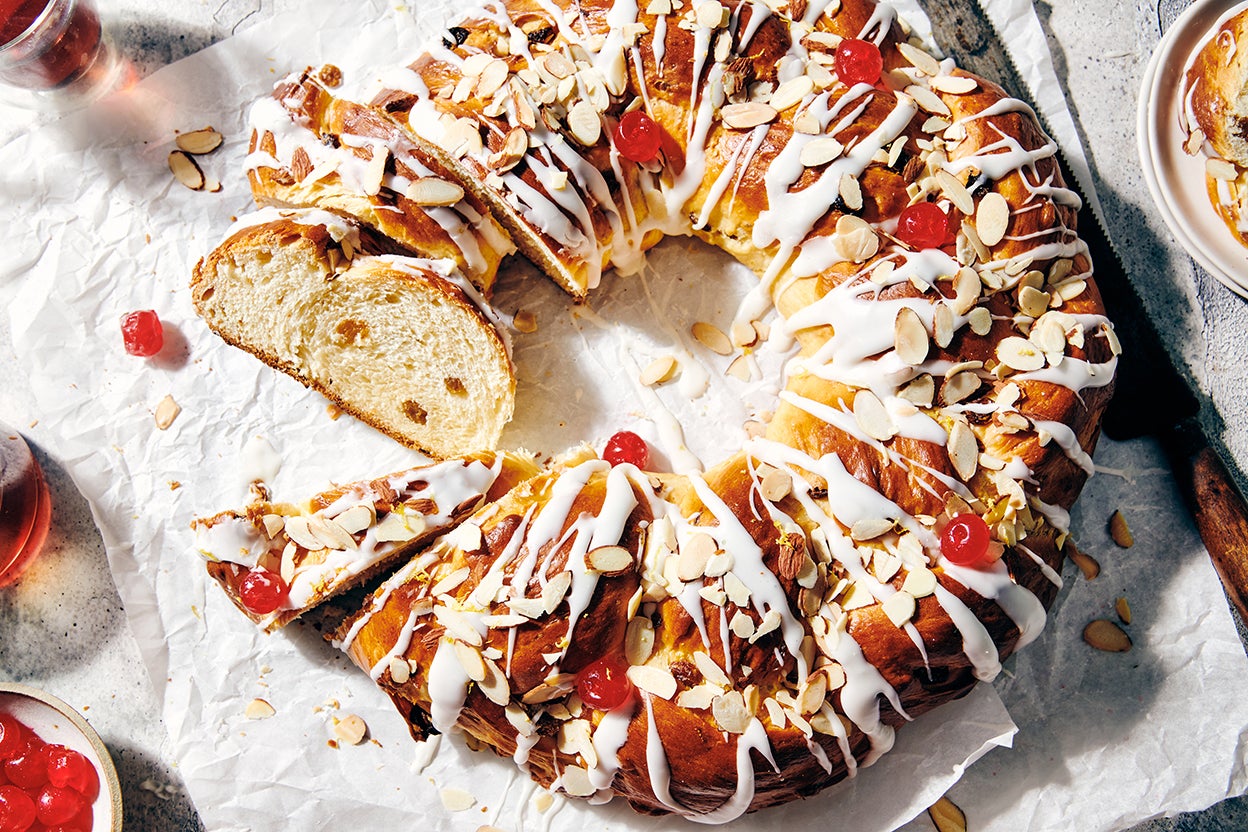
99,227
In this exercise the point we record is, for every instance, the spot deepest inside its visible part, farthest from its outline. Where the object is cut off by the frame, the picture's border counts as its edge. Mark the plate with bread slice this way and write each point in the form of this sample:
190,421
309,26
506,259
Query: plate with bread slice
1192,139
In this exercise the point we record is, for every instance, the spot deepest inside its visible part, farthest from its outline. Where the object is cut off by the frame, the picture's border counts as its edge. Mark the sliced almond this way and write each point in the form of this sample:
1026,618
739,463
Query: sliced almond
927,100
919,392
850,192
942,325
739,369
992,218
820,151
659,370
610,560
456,800
946,816
712,337
356,519
432,191
1086,563
199,142
186,170
919,59
1104,634
791,92
855,239
167,411
873,417
375,172
259,709
899,607
966,287
953,84
957,193
748,115
869,528
585,123
495,685
1019,354
742,625
730,713
1221,169
980,320
575,781
1120,531
492,78
910,337
653,680
399,527
712,15
1123,608
963,450
471,660
920,582
638,641
351,729
959,387
694,555
775,485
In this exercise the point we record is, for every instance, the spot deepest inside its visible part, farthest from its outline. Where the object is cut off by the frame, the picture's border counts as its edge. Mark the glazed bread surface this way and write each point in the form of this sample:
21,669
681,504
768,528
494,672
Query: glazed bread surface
342,537
781,614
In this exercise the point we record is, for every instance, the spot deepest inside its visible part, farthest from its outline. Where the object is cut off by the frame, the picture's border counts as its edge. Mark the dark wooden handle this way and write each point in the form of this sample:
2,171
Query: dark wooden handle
1222,518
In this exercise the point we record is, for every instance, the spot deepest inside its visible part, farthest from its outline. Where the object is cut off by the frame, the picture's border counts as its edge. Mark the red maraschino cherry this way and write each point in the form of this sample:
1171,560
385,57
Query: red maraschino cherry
68,769
142,333
17,810
12,738
626,446
638,137
965,541
603,683
262,591
58,806
858,62
923,225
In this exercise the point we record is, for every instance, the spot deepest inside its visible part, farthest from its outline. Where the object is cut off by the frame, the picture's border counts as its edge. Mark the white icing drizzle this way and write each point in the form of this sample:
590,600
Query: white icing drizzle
995,584
608,739
1049,572
977,644
1068,442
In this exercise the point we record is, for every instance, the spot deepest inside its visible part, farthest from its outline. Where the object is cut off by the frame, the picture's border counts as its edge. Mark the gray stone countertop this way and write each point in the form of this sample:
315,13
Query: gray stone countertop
63,629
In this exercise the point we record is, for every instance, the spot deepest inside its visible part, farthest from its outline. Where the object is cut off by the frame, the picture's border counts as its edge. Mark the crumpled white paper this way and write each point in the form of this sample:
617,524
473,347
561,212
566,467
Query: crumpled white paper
98,227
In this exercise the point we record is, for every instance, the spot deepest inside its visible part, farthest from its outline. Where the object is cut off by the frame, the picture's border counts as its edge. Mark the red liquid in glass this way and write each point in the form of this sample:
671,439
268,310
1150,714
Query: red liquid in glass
63,49
25,507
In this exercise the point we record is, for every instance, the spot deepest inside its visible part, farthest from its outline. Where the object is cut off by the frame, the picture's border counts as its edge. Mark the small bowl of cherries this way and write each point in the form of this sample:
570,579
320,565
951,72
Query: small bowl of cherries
55,773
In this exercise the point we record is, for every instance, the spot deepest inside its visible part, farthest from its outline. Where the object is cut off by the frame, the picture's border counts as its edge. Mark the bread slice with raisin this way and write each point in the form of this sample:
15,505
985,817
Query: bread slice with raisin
406,345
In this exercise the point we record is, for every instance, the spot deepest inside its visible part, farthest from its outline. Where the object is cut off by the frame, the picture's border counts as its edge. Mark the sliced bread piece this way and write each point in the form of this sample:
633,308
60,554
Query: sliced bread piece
404,344
343,536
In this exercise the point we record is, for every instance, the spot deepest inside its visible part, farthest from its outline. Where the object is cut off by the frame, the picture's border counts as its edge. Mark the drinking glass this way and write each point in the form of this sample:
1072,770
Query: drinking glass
25,507
54,52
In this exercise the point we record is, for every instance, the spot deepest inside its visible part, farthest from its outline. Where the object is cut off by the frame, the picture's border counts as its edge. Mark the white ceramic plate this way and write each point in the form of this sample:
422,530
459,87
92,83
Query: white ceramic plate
56,722
1175,179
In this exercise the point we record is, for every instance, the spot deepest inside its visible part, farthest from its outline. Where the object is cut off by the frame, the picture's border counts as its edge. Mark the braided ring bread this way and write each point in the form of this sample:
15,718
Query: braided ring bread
782,613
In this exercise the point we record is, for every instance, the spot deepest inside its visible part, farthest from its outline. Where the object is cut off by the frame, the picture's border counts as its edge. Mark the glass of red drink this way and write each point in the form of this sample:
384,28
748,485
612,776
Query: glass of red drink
55,49
25,507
